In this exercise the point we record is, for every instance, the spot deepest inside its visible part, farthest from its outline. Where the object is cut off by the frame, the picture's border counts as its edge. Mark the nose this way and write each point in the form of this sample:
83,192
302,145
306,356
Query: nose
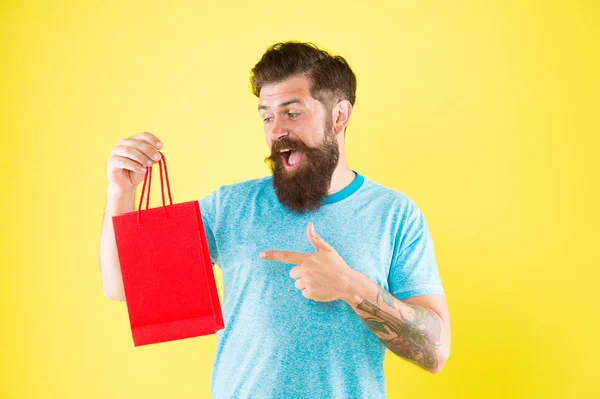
278,129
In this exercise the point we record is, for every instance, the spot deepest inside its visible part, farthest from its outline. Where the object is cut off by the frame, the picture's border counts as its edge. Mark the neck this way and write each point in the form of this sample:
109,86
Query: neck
341,178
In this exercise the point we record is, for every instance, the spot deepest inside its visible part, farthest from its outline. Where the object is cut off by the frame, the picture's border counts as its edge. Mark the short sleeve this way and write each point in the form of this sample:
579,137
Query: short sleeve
207,209
414,268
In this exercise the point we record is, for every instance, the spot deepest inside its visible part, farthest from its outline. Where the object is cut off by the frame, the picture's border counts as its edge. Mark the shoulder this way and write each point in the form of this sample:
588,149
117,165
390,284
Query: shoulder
389,200
237,194
244,187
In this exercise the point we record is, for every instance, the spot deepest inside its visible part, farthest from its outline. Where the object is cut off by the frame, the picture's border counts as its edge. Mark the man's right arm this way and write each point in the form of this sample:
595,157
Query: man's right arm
117,203
126,169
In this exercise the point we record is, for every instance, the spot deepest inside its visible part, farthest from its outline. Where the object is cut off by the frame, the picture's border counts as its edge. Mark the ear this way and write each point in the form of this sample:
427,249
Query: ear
341,115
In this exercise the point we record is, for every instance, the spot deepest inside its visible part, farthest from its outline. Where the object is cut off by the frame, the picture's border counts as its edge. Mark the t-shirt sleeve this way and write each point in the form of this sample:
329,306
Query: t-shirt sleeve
207,209
414,268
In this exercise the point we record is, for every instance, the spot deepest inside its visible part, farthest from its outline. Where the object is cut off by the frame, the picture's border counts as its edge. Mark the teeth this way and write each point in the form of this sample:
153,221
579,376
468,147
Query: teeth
284,150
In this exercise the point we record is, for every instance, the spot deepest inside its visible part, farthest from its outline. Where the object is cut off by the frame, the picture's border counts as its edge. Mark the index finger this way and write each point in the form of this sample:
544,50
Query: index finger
148,138
284,256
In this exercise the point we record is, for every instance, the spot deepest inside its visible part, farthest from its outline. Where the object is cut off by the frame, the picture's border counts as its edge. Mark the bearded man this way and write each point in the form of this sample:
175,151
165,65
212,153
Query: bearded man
323,269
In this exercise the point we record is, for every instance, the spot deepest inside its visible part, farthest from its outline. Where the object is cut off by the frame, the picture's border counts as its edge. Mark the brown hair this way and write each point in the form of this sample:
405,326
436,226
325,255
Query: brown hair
332,77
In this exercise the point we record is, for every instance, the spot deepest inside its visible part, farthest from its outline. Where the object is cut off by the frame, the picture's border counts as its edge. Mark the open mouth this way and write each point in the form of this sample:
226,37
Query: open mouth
292,158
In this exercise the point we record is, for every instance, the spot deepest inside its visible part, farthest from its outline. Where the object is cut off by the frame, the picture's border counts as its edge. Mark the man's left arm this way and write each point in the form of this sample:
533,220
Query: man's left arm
416,329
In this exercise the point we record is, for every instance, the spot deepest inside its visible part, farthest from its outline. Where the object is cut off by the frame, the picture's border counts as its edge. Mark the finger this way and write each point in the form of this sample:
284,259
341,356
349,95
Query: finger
117,162
133,153
295,273
148,138
300,284
316,240
151,154
284,256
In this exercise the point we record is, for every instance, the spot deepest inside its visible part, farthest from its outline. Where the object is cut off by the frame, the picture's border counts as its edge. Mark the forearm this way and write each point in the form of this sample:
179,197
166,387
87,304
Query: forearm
413,332
117,203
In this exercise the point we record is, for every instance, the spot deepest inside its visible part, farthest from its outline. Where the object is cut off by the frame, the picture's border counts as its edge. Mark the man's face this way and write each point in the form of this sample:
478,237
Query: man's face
304,149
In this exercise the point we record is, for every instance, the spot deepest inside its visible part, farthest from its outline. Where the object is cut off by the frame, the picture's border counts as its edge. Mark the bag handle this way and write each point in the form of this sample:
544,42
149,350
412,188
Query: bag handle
148,177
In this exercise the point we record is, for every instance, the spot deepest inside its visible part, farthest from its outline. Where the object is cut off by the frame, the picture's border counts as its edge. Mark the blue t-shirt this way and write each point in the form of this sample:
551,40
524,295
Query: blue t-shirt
278,344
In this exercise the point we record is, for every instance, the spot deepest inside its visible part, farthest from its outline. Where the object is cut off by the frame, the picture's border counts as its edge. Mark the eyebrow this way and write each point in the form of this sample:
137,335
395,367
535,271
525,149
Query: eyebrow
283,104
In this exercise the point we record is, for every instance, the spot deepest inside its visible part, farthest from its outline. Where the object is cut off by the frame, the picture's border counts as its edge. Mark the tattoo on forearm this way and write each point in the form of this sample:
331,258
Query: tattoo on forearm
414,335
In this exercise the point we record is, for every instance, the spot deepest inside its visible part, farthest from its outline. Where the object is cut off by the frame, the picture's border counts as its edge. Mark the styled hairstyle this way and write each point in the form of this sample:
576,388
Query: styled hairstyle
331,75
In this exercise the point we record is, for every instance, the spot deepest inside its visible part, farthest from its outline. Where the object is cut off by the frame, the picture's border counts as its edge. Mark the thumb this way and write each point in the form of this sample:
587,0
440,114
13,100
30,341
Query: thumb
316,240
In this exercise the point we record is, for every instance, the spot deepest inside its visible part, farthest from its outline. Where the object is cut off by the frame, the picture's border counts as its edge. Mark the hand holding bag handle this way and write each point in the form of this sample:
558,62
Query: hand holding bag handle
169,284
148,176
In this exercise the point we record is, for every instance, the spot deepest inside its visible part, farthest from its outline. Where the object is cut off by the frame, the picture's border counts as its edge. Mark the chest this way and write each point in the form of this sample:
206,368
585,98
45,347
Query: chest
365,245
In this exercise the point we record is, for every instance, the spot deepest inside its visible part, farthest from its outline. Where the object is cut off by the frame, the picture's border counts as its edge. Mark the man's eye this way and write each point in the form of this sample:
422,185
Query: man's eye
268,119
293,114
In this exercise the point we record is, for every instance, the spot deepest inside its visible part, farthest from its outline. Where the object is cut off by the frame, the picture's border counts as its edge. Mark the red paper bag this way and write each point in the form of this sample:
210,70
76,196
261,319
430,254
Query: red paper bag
167,273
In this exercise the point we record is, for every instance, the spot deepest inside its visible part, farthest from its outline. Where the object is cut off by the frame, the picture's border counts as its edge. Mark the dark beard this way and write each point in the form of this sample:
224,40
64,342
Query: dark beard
302,189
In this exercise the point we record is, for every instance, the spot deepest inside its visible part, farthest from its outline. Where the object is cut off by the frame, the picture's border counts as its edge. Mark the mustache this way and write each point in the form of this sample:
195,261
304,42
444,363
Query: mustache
291,144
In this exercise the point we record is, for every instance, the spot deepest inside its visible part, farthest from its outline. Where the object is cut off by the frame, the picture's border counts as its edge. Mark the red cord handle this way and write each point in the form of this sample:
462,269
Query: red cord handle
148,177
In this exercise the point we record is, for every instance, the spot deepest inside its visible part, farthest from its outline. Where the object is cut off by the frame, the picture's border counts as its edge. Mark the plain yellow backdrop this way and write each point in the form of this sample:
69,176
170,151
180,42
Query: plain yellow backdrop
483,112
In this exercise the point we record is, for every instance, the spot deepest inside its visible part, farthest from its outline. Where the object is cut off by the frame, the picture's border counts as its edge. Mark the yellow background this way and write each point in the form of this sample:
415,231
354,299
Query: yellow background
484,112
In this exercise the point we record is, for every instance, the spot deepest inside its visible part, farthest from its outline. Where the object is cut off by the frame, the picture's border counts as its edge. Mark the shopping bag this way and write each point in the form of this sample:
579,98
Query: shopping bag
168,278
